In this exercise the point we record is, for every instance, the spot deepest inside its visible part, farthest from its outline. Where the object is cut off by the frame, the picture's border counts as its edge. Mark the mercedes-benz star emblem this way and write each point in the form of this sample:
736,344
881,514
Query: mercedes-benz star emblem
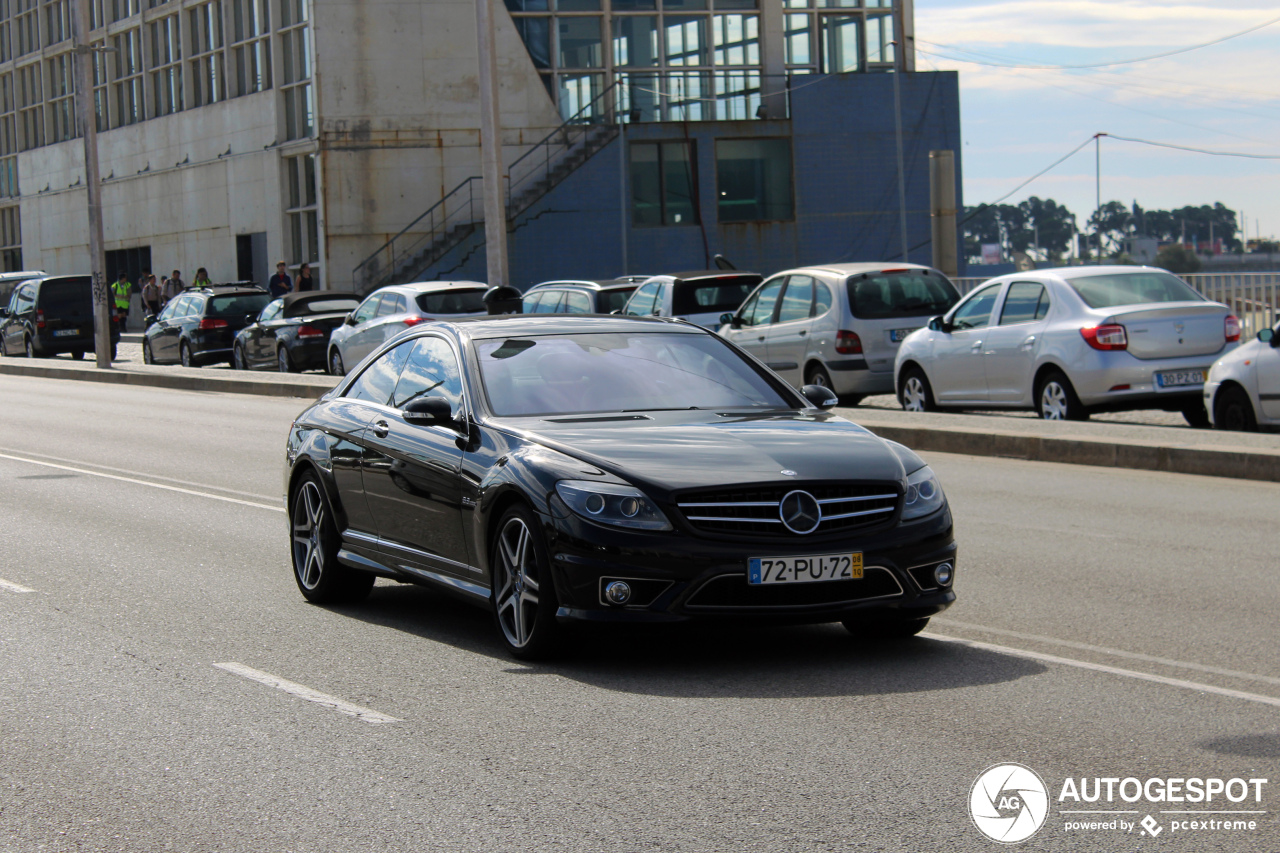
787,472
800,512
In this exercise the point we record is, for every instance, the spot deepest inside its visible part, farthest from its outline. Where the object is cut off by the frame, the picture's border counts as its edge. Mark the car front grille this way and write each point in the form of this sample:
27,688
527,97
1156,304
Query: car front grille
733,591
755,510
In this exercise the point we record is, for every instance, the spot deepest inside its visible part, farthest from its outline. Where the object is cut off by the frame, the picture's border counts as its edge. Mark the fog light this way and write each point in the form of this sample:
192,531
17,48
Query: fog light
943,574
617,592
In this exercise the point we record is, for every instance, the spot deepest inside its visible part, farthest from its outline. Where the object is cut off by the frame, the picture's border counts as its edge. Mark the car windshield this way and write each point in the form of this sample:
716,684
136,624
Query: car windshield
619,372
712,295
1132,288
453,302
238,306
906,293
608,301
322,305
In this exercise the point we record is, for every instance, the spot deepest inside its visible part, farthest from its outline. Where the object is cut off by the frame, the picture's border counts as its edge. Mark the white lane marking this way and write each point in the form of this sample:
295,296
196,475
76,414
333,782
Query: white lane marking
1103,650
304,692
1111,670
35,457
14,587
144,483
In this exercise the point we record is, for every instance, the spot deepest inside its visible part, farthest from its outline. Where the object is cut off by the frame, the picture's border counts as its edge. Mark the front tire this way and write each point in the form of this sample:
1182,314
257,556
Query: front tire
524,598
77,355
885,628
335,364
916,395
314,549
1056,400
148,357
1233,410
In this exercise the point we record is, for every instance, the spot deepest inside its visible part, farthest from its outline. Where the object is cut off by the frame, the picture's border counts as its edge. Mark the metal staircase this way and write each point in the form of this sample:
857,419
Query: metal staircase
447,223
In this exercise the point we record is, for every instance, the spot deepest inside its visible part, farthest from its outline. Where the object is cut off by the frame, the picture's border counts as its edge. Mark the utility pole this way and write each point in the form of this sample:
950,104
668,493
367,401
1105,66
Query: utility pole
898,46
1097,187
495,211
85,117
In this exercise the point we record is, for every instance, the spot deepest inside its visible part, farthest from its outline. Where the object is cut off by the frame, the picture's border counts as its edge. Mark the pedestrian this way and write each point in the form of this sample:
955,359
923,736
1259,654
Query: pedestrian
305,281
122,290
151,296
173,287
280,283
201,279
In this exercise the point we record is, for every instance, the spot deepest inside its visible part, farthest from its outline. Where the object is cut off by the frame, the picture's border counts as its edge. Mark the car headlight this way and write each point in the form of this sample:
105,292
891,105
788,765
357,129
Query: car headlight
610,503
924,494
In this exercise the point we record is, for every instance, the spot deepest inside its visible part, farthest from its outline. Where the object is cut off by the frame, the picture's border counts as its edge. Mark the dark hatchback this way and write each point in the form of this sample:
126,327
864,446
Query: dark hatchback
198,326
49,316
609,469
292,332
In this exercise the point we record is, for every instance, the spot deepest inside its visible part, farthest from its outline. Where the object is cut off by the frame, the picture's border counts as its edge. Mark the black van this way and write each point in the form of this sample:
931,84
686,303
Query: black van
48,316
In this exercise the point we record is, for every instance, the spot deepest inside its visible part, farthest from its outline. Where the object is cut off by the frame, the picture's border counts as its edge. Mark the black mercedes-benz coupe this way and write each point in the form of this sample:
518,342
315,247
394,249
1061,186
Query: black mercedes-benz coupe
607,469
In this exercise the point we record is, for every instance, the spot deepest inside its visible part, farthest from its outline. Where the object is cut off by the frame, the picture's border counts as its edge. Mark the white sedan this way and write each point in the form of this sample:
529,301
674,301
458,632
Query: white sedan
1243,390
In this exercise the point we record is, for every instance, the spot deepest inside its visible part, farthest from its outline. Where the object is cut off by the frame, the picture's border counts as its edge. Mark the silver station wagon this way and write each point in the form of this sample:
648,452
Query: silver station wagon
1069,342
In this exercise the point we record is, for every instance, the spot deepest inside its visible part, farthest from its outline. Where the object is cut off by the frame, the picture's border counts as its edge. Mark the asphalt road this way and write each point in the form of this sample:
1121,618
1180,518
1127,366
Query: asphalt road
1111,624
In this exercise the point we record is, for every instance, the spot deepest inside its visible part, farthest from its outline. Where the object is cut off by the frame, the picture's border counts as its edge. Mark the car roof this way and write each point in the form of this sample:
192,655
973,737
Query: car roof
861,267
433,286
22,276
302,296
693,275
585,284
496,326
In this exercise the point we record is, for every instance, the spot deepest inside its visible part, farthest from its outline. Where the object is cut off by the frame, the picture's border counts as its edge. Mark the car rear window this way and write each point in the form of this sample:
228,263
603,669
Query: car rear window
68,296
909,293
711,295
608,301
452,302
322,305
1132,288
237,306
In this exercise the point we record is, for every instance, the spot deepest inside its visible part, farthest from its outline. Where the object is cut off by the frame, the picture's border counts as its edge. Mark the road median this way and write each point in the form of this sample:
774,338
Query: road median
177,378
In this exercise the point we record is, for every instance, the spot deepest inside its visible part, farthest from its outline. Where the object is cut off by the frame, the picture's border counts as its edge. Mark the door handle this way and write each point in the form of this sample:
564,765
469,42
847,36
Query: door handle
381,428
1029,342
977,346
803,332
761,338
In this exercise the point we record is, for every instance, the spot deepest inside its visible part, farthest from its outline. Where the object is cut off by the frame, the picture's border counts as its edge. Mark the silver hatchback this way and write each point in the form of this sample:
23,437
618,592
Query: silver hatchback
838,325
1068,342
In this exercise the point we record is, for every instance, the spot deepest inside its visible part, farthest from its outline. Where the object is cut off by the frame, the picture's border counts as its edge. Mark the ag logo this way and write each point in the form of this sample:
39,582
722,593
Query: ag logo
1009,803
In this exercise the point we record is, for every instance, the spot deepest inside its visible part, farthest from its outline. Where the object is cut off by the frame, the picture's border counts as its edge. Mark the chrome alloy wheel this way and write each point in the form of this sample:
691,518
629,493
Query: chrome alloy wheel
308,548
913,394
1053,401
517,587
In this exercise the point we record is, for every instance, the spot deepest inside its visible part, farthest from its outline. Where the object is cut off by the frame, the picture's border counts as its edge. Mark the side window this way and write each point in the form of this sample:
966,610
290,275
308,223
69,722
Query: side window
762,312
821,299
641,304
194,306
272,311
797,299
576,302
379,379
184,307
1025,303
368,308
392,303
430,371
24,299
976,310
529,305
550,302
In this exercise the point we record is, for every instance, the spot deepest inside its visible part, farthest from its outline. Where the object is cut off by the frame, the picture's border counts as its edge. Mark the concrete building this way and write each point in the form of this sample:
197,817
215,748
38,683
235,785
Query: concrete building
234,133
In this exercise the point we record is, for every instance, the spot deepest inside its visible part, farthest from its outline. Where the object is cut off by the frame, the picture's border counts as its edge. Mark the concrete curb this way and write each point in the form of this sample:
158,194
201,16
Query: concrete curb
236,383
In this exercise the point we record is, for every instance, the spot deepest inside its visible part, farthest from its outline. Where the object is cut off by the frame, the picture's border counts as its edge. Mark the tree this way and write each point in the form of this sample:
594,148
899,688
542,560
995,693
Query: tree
1113,222
1177,258
1014,227
1050,225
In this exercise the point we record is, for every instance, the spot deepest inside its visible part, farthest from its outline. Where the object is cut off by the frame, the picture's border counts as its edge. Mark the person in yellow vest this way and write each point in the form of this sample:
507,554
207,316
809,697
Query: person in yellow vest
122,290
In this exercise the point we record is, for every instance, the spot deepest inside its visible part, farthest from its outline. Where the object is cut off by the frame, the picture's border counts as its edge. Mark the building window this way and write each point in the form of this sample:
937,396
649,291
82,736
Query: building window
8,140
10,239
295,45
30,103
57,22
208,79
251,46
166,66
101,105
26,22
128,78
753,180
121,9
301,209
62,110
6,49
663,183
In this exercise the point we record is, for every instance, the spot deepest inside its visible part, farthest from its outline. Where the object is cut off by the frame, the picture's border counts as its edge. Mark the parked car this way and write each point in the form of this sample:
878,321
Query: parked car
838,325
579,296
10,280
388,311
699,297
47,316
292,333
199,326
664,474
1243,388
1069,342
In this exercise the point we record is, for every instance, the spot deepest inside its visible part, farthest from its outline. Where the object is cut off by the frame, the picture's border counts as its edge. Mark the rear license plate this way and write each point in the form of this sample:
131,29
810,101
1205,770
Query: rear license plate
66,333
899,335
1175,378
825,567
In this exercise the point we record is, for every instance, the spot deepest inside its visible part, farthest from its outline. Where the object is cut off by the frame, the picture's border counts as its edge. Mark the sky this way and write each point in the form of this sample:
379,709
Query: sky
1017,121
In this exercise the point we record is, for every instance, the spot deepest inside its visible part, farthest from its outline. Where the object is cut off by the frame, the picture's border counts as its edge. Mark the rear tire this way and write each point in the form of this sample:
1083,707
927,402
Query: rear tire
1196,415
915,394
283,364
237,359
885,628
314,549
147,356
1056,400
184,352
77,355
29,346
1233,410
524,595
335,364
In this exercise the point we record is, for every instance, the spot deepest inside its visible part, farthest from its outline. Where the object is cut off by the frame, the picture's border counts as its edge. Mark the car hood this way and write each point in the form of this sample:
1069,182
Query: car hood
673,451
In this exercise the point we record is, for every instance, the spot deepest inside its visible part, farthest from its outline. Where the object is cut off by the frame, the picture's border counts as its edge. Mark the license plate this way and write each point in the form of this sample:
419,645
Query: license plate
899,335
824,567
66,333
1175,378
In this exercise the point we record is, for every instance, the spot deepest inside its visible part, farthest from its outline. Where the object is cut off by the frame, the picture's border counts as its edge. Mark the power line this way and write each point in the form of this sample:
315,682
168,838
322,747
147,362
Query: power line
1193,150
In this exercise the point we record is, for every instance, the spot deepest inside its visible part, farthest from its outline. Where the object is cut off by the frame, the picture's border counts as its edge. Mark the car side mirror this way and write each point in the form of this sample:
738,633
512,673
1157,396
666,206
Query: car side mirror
820,396
350,321
428,411
731,320
939,324
250,319
4,311
1269,336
